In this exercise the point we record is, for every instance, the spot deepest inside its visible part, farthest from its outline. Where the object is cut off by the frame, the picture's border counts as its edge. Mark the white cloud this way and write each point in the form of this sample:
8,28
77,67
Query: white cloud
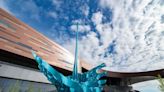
57,3
85,9
53,14
137,30
82,28
97,18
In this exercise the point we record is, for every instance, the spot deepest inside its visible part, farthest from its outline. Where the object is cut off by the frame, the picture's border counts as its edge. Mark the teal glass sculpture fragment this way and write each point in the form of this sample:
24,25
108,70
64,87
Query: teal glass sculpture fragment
86,82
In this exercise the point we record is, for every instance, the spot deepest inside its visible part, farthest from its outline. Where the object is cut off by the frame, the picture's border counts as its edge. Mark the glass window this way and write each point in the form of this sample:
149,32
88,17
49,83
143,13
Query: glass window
7,25
14,85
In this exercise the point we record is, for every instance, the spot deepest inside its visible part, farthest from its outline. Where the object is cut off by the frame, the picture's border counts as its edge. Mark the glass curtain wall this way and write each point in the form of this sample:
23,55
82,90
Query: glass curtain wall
15,85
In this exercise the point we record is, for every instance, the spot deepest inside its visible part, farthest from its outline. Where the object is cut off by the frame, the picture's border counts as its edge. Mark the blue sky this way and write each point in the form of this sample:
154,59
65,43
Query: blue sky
127,35
54,18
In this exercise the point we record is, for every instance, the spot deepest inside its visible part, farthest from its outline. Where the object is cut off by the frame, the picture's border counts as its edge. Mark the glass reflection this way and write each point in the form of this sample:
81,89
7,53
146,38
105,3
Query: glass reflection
14,85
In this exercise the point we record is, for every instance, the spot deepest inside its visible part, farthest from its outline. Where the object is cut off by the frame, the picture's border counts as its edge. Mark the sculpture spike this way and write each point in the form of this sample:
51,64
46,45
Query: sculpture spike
87,82
75,68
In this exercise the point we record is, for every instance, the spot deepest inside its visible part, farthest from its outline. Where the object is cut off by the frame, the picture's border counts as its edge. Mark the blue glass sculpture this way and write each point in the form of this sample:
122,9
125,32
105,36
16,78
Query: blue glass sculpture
86,82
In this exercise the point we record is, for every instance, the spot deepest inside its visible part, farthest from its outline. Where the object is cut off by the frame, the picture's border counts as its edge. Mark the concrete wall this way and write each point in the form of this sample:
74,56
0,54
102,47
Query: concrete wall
20,72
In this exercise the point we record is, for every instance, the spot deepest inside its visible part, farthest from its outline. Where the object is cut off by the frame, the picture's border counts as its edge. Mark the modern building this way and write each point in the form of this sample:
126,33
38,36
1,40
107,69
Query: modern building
17,40
17,66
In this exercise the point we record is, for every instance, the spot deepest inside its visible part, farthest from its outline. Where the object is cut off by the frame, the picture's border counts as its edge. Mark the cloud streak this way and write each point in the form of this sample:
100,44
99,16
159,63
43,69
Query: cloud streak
137,30
82,28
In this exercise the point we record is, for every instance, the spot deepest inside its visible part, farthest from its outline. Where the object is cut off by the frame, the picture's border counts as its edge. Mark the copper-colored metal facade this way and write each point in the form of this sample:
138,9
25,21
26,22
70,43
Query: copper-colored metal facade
19,38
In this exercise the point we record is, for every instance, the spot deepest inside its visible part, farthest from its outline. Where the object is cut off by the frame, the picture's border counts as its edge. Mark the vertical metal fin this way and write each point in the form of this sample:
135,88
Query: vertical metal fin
75,68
